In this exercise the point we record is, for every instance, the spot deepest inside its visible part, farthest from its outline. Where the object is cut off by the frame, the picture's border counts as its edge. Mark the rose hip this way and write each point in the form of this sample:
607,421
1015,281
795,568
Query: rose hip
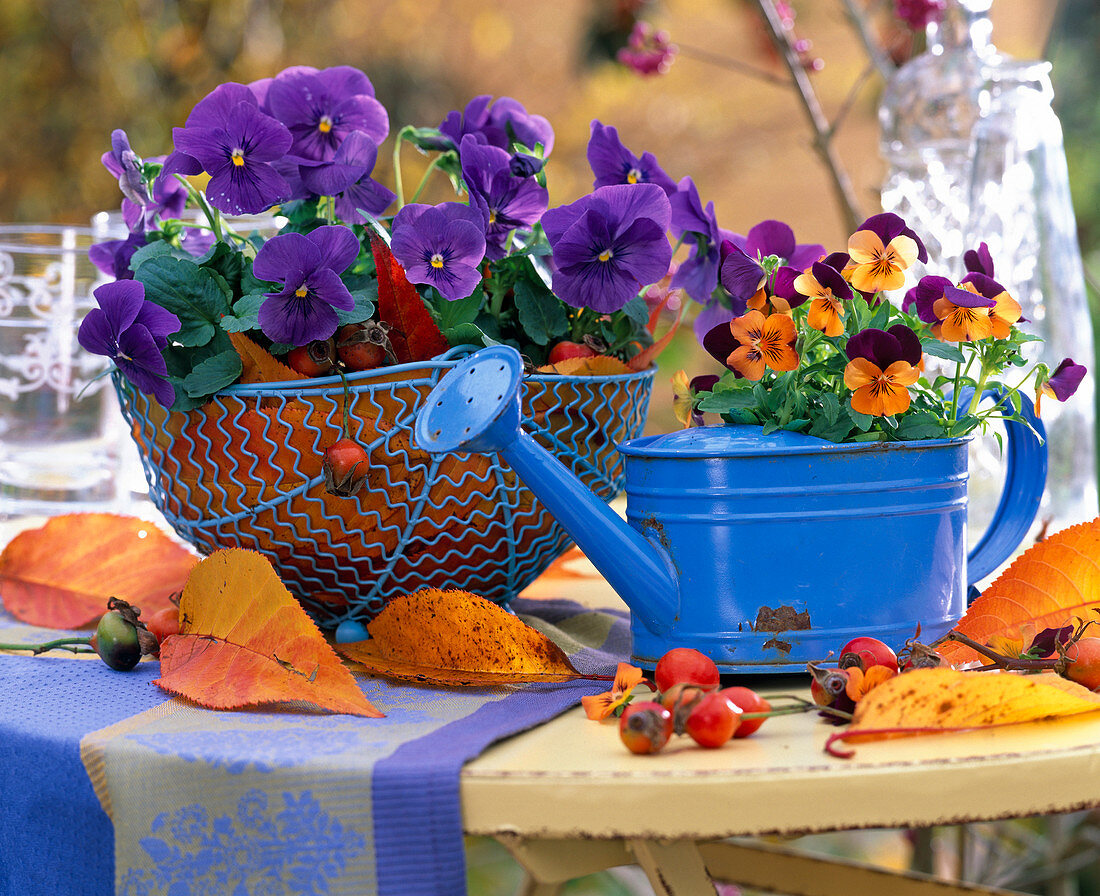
713,720
645,727
747,701
685,665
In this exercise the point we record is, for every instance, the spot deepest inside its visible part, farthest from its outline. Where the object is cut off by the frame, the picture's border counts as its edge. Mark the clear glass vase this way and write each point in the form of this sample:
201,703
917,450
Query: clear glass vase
974,154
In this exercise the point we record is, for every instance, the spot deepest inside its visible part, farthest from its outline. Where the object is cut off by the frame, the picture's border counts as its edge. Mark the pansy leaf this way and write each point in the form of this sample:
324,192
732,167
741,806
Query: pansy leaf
944,350
862,421
467,334
227,262
457,313
156,249
424,138
198,296
364,308
213,374
919,426
541,313
830,408
637,310
719,402
245,315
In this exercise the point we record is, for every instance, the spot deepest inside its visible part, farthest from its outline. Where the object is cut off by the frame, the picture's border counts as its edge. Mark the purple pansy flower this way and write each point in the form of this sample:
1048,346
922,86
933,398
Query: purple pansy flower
719,342
132,333
139,209
307,267
232,140
347,177
613,163
887,225
979,260
499,124
1063,383
777,238
507,202
113,256
322,107
698,275
440,246
609,244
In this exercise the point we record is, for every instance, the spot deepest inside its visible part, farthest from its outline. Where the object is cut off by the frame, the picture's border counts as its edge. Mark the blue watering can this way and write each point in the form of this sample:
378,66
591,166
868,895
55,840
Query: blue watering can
763,552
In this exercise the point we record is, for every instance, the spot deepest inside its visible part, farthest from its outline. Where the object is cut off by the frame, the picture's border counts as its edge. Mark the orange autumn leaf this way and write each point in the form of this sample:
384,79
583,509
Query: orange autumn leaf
599,365
244,641
931,701
647,356
260,366
1052,584
61,574
457,638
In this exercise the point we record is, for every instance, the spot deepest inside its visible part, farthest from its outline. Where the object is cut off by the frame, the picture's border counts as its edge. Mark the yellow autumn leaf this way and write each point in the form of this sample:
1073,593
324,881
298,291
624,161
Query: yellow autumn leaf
599,365
457,638
931,701
244,641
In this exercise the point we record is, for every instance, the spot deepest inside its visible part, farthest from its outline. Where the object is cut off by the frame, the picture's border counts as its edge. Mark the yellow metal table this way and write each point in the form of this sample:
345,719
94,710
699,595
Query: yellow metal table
568,799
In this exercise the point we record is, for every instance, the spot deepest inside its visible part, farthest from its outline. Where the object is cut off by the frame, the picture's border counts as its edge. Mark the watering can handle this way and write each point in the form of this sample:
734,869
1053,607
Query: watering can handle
1025,479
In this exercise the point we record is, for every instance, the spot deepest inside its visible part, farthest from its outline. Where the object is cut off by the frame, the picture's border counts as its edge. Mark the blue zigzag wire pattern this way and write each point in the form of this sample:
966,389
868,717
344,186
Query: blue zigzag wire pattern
245,471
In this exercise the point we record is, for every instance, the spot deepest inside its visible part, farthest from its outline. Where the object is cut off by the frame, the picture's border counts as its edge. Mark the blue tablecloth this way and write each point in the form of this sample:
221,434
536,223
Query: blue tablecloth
110,786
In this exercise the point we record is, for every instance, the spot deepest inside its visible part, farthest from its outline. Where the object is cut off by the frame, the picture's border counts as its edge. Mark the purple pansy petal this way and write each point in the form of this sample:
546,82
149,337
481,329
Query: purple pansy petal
712,315
285,253
325,285
440,246
770,238
1066,378
209,146
247,190
925,294
964,298
909,347
263,138
985,284
113,256
521,127
219,106
329,178
291,320
365,194
523,165
831,278
783,287
95,335
875,346
121,303
887,225
979,260
719,342
740,275
338,245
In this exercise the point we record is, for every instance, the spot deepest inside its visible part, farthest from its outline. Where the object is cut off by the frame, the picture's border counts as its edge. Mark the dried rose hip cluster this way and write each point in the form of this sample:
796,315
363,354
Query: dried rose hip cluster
691,702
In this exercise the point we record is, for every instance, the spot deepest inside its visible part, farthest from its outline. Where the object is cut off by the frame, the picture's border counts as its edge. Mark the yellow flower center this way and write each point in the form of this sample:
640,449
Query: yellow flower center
302,291
437,260
605,255
325,124
633,176
492,216
238,157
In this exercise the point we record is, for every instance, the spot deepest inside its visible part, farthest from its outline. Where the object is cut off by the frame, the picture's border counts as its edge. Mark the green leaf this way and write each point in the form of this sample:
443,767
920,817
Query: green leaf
770,426
922,425
426,139
197,296
945,350
227,262
459,312
245,315
862,421
467,334
728,399
541,313
830,408
213,374
156,249
364,308
637,311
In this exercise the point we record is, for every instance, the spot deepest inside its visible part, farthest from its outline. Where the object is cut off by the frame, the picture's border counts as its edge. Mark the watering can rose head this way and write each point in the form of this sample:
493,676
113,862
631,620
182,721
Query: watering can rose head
338,259
815,346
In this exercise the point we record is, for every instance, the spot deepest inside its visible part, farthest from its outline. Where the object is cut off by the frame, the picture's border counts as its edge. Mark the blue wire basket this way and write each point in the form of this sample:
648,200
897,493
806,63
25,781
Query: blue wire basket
244,471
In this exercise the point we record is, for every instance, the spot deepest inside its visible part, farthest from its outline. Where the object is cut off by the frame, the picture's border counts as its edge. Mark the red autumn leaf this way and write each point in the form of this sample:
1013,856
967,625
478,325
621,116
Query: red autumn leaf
244,641
61,574
1052,584
647,356
414,335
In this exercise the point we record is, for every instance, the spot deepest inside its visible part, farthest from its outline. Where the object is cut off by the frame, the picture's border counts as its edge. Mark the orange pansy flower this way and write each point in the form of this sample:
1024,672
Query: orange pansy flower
600,706
876,266
880,393
765,342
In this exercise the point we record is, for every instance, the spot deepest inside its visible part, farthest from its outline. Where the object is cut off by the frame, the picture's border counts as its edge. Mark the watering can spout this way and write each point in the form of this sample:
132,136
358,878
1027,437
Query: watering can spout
476,407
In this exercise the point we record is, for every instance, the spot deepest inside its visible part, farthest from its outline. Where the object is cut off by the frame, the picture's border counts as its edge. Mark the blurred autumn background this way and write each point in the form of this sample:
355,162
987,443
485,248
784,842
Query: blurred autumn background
724,113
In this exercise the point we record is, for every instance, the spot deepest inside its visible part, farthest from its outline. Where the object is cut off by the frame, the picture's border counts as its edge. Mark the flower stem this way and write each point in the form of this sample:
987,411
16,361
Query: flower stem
211,215
70,644
424,180
398,181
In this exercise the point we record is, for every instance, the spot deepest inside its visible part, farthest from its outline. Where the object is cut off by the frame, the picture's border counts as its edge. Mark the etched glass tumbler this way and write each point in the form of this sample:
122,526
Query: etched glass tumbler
60,427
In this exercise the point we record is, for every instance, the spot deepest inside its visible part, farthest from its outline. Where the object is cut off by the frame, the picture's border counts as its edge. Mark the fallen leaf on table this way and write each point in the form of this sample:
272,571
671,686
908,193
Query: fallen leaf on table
260,366
61,574
457,638
244,641
1048,586
599,365
932,701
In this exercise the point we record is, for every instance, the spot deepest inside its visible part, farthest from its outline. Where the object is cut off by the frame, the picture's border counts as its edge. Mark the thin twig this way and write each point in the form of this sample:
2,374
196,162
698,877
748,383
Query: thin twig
858,17
842,185
735,65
